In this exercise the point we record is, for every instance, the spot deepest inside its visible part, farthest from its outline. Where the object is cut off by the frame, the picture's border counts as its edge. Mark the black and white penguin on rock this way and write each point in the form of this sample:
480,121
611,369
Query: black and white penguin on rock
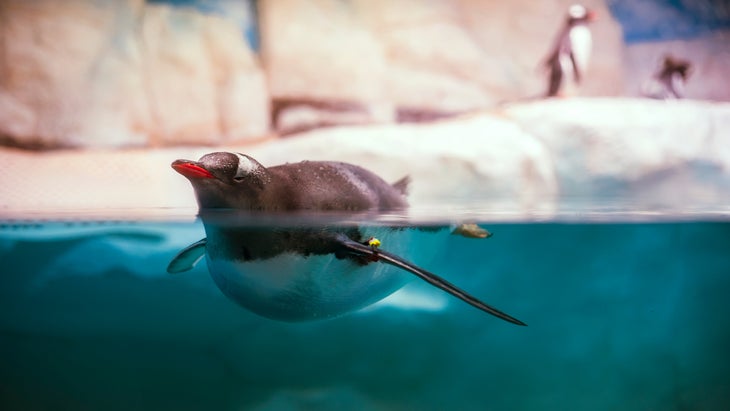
669,80
568,60
300,272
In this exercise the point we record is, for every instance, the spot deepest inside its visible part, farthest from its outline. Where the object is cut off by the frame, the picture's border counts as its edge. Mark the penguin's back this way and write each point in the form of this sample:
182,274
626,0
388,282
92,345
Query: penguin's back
332,186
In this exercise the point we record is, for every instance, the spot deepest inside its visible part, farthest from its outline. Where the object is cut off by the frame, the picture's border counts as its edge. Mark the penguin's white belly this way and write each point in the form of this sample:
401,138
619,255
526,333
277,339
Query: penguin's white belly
581,44
566,66
677,82
654,88
294,287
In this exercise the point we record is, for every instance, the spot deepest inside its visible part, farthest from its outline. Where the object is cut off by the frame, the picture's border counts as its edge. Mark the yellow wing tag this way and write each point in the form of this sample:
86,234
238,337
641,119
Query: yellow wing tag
373,242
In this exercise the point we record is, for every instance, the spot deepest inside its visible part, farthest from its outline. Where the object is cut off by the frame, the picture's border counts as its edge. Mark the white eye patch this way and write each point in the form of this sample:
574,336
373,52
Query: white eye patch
245,166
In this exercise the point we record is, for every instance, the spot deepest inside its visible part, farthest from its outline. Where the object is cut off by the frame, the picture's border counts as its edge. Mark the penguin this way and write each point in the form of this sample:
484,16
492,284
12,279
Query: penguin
568,59
669,80
300,272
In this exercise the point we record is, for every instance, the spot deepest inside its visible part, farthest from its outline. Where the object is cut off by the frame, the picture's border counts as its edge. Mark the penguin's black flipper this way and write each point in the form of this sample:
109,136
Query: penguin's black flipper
555,79
187,258
372,254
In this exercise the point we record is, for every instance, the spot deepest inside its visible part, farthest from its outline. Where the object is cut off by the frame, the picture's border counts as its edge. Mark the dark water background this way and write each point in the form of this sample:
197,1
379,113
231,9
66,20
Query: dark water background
630,316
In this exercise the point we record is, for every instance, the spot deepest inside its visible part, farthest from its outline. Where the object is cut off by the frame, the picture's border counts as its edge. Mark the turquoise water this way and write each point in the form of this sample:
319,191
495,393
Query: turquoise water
621,315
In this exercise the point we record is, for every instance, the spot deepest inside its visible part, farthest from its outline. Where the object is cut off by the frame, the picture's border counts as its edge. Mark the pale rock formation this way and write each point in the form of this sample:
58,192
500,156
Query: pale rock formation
124,73
424,59
639,153
537,160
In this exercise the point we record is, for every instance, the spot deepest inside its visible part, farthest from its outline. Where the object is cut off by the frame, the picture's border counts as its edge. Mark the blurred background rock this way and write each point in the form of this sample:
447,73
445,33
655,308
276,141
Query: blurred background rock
178,78
108,73
125,73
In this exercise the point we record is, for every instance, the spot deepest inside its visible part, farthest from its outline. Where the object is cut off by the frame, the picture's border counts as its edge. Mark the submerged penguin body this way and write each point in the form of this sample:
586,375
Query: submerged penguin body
297,273
293,286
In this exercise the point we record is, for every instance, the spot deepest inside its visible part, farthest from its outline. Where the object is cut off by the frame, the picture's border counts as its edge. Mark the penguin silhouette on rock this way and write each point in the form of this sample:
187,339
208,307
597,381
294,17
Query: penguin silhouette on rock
300,272
669,81
568,60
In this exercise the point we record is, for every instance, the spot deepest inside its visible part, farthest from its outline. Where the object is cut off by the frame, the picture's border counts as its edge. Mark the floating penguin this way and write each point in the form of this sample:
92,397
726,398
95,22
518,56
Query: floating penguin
568,60
669,80
300,273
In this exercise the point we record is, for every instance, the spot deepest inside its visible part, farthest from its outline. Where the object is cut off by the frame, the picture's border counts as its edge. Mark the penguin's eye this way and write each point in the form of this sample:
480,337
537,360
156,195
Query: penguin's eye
238,179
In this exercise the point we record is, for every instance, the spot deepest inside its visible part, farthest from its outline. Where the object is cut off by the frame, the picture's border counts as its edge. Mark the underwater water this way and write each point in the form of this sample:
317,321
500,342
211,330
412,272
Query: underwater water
630,315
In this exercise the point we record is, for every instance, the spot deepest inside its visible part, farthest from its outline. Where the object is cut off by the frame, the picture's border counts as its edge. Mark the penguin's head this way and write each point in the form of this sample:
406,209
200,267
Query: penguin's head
579,14
671,64
224,180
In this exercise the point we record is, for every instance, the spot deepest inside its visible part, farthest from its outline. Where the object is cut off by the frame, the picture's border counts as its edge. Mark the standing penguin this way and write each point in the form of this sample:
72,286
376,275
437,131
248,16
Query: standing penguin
298,273
669,80
568,59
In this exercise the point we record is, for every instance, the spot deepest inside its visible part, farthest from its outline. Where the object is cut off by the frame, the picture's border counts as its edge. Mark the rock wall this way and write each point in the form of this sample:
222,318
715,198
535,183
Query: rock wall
125,73
535,160
635,153
413,60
